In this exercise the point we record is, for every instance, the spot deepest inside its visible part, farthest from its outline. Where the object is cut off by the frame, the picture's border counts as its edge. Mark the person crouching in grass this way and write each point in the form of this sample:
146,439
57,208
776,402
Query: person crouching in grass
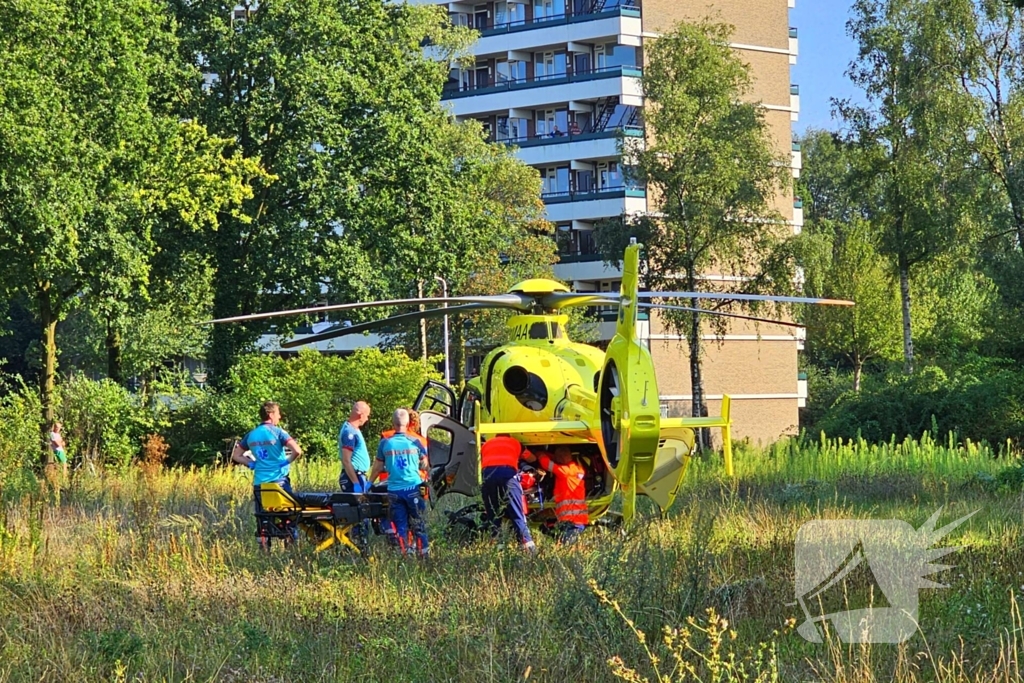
570,491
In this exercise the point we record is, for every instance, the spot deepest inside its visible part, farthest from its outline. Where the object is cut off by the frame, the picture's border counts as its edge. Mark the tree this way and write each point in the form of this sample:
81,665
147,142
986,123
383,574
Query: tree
987,40
841,261
711,174
341,106
88,148
497,236
905,132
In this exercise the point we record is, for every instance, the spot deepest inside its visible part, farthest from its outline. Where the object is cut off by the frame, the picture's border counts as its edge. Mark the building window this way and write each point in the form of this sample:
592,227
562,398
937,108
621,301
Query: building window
510,129
584,182
511,71
553,122
609,175
555,181
509,13
548,9
610,55
548,65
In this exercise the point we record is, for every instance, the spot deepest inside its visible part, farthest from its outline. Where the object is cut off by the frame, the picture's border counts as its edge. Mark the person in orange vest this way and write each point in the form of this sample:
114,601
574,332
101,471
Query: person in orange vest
501,489
570,490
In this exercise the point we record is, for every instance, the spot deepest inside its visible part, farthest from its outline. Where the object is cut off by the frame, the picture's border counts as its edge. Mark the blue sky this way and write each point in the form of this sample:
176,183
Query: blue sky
825,53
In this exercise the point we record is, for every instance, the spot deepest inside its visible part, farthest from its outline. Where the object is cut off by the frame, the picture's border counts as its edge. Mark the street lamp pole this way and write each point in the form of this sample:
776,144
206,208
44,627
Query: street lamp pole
444,293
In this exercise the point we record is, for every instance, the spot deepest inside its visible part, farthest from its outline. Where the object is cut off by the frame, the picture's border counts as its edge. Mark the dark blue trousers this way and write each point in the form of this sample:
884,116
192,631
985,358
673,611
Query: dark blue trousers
408,510
503,498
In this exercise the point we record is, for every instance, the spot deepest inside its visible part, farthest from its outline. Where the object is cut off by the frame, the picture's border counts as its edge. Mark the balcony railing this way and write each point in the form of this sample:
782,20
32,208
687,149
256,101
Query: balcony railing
578,257
623,10
615,192
541,81
562,138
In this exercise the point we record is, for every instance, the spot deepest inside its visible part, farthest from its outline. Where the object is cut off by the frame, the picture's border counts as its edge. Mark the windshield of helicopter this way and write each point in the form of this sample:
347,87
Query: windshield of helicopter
539,330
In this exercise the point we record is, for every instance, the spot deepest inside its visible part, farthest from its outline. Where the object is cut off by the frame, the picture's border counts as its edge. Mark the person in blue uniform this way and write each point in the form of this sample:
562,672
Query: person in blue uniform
403,456
269,462
355,459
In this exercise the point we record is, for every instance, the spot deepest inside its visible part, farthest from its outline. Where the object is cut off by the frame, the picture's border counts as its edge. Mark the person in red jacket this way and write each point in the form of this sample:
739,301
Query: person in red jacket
501,489
570,490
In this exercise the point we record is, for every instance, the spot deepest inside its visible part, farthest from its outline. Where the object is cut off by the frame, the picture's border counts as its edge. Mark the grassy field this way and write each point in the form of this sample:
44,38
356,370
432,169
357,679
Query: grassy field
151,578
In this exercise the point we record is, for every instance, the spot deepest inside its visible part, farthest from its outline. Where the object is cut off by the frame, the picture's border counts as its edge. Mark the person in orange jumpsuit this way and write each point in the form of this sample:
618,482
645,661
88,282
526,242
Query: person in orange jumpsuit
570,491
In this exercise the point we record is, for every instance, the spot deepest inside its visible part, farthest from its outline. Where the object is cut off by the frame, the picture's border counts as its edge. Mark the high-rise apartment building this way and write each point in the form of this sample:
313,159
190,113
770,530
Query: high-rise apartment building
560,80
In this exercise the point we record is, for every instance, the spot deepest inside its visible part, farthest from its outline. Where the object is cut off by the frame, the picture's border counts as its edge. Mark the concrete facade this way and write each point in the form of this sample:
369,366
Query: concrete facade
560,80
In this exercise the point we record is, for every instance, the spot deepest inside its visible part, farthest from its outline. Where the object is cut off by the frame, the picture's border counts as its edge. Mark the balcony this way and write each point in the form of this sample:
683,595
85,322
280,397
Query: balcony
621,24
623,10
578,258
584,267
567,206
548,150
588,195
614,81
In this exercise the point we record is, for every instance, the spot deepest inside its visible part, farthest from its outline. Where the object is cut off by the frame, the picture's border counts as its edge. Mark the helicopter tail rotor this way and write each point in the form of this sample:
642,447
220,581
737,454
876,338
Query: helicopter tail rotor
628,392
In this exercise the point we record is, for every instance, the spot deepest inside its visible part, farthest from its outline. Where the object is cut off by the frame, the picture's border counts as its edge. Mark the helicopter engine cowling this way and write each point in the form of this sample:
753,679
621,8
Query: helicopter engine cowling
528,388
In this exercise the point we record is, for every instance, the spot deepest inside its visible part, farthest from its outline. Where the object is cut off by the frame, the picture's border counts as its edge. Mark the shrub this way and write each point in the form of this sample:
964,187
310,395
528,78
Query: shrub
20,439
104,423
315,391
981,403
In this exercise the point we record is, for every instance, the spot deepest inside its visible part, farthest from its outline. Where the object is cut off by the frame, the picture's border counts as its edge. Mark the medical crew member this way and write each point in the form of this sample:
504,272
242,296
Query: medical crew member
355,459
269,462
570,491
403,457
501,489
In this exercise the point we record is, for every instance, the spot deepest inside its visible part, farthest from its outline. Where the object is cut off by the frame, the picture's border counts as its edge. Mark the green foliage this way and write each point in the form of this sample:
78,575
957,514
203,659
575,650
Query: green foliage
19,438
920,178
980,403
94,162
104,423
841,262
340,104
316,393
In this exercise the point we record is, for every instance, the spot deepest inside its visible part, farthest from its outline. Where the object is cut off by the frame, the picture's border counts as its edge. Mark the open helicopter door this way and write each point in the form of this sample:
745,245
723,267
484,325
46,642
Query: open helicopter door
674,449
436,397
451,449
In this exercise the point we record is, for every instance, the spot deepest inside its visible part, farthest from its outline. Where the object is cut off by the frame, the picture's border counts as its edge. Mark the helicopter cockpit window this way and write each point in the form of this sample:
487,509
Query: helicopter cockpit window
539,330
467,410
556,331
439,446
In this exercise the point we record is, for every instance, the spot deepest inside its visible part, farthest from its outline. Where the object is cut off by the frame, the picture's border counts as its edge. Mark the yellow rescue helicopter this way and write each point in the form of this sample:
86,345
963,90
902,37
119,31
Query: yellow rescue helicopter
545,390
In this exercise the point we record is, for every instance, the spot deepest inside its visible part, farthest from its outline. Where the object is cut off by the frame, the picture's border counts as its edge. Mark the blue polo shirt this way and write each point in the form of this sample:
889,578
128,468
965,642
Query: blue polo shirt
401,457
351,437
267,445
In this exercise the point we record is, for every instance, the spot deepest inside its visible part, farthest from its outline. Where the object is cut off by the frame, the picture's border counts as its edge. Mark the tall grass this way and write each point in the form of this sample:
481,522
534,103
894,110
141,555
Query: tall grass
156,576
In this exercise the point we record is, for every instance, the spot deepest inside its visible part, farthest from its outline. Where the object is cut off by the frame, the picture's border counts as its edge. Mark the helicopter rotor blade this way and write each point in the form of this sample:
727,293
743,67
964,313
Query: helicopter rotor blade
344,330
559,300
723,314
519,302
728,296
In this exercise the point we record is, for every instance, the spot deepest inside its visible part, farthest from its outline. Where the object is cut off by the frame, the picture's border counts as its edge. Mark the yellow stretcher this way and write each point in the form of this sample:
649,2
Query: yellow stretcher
326,519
